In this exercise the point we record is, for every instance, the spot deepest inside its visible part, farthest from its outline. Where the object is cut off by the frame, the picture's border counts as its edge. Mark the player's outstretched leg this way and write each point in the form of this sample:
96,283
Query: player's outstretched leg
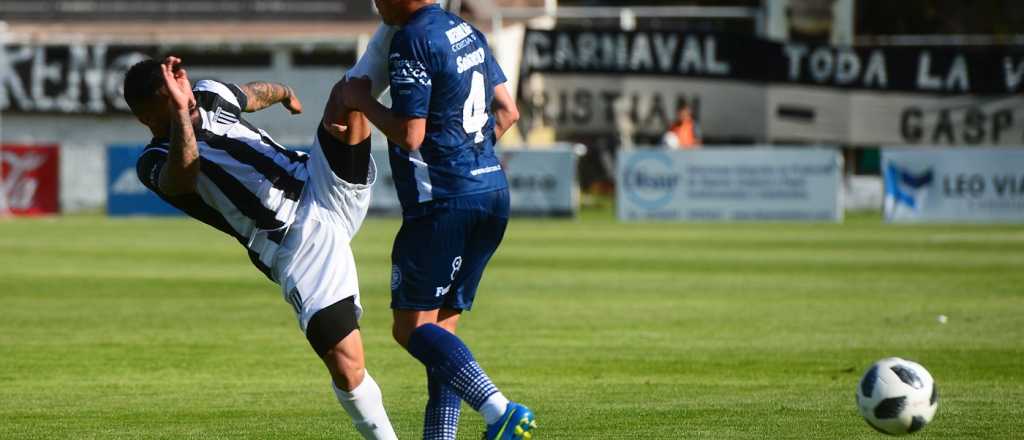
343,137
450,361
357,392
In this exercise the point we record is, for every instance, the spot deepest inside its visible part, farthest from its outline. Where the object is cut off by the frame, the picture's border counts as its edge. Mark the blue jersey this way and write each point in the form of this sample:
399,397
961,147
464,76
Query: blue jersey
442,69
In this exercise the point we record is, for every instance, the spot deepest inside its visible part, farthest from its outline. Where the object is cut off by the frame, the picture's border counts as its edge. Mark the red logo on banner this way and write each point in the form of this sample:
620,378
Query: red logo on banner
29,179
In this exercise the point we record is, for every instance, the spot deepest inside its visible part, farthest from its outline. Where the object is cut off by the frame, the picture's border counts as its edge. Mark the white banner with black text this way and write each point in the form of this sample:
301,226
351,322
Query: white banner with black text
745,89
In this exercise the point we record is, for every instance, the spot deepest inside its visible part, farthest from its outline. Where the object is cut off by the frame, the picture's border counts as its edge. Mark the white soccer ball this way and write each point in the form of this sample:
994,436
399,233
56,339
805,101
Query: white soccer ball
897,396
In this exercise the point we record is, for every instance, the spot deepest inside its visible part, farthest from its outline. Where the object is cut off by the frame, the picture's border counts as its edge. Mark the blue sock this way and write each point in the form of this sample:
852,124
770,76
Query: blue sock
441,418
452,363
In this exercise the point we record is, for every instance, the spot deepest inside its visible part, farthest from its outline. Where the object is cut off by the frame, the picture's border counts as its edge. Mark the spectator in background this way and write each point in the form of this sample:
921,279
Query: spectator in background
684,133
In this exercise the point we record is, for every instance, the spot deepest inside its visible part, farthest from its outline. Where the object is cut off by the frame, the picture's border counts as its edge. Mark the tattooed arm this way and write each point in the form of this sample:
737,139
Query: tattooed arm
261,95
179,173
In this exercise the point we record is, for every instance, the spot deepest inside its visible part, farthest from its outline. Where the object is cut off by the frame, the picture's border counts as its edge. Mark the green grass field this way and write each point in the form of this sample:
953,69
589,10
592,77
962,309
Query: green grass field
144,329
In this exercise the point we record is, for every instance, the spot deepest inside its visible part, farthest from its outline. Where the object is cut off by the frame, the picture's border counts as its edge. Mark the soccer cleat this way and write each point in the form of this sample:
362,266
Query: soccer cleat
517,423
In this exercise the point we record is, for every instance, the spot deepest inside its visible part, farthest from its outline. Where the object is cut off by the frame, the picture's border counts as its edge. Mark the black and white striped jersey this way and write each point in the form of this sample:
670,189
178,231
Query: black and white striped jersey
249,186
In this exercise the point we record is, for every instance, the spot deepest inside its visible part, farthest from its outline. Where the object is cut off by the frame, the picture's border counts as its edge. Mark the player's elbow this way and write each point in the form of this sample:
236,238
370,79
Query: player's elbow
507,113
512,116
412,142
413,133
505,106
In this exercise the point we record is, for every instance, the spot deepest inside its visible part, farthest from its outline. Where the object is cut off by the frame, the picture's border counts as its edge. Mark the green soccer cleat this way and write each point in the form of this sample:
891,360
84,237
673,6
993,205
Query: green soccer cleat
517,423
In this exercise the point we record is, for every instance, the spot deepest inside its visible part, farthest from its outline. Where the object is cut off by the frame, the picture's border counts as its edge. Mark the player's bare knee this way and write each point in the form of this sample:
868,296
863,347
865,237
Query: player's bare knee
405,324
344,361
401,333
347,369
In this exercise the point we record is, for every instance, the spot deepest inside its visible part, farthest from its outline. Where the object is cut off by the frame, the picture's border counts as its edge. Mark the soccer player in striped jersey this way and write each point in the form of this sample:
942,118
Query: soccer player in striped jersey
294,213
449,107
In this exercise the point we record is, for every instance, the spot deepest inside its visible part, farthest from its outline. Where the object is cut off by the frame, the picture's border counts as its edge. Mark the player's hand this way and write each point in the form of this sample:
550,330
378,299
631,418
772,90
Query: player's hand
355,92
176,83
292,103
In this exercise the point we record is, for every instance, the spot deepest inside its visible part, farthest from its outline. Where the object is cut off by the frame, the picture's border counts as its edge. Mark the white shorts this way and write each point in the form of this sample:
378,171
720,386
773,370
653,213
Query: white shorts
314,265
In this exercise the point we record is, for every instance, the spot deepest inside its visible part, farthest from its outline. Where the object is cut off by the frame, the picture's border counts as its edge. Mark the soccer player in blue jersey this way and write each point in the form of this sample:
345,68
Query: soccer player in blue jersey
449,107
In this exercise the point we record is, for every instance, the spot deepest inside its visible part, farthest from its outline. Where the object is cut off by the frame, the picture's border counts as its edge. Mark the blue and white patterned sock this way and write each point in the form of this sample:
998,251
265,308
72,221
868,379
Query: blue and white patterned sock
441,417
450,361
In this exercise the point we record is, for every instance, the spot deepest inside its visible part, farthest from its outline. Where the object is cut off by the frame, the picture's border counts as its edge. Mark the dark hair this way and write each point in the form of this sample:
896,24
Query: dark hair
683,105
142,82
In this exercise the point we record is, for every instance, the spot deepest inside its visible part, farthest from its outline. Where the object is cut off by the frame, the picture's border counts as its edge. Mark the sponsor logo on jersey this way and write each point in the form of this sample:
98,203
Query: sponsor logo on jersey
408,72
471,60
224,117
464,44
490,169
459,33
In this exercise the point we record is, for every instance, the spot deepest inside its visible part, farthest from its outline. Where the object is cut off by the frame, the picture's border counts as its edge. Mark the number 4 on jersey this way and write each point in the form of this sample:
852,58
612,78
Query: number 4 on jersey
474,111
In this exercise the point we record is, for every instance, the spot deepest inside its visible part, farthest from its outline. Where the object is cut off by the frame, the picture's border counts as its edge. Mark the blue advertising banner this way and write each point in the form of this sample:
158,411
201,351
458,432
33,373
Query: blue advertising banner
954,185
730,184
125,193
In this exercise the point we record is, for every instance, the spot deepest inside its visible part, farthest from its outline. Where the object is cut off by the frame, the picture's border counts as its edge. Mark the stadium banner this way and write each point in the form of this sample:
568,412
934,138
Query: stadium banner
86,78
607,82
30,179
70,78
126,195
956,185
541,182
730,184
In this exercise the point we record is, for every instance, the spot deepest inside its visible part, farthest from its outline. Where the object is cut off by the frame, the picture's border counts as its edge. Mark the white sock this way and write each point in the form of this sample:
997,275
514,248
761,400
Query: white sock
374,62
365,405
493,408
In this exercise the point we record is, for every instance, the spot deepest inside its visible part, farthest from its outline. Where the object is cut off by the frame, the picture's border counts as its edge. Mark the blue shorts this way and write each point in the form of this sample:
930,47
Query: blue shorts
442,249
